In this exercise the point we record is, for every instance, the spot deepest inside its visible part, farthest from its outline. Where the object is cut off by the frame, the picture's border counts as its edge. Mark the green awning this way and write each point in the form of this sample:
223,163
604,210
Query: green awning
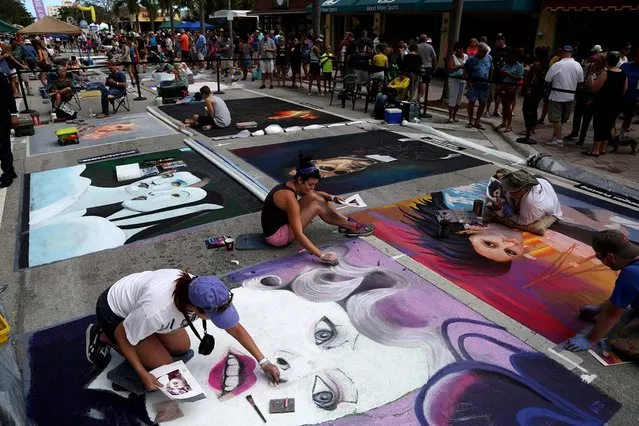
372,6
7,28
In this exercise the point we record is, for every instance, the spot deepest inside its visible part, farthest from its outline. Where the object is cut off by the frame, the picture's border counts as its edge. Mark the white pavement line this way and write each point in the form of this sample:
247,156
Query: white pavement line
3,198
461,141
167,120
585,377
249,184
531,338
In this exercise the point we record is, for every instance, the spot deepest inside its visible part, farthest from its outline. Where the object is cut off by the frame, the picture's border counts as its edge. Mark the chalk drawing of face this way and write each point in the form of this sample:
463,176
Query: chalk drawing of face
162,182
338,166
331,368
500,245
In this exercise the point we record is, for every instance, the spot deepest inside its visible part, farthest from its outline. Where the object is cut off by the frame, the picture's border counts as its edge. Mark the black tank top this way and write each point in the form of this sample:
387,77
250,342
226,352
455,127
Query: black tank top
272,216
611,93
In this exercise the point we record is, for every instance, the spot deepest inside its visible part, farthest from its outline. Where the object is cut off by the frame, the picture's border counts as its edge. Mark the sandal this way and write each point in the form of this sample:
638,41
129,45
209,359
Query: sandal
501,126
469,126
589,153
508,129
479,126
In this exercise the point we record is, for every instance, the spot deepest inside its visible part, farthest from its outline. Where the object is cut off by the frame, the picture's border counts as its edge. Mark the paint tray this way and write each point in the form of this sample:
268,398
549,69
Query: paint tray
278,406
4,330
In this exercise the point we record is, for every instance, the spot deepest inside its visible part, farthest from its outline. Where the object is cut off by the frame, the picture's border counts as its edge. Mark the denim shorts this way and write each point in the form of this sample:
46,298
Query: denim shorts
478,92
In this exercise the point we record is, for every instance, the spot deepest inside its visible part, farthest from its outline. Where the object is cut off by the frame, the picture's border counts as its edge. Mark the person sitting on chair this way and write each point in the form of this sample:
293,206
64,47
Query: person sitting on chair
394,92
115,87
284,217
217,113
61,88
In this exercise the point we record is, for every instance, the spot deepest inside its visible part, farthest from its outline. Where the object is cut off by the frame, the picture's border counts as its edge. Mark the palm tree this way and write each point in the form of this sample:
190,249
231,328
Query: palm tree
167,7
134,9
152,8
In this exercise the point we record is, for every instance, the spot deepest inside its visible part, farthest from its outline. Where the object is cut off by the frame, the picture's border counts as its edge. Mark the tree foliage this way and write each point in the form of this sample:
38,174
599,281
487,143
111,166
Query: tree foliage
101,14
14,12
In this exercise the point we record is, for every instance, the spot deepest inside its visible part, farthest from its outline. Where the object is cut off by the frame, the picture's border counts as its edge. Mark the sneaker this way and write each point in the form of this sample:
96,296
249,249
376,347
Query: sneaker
571,136
361,230
343,229
97,352
555,142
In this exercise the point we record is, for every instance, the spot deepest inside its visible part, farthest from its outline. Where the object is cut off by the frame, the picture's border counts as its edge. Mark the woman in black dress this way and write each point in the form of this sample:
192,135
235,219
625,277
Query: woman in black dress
608,87
295,49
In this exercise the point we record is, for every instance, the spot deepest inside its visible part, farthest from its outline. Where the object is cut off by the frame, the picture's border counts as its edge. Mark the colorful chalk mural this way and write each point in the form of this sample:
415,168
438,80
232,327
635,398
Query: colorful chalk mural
366,342
83,209
351,163
103,131
539,281
262,110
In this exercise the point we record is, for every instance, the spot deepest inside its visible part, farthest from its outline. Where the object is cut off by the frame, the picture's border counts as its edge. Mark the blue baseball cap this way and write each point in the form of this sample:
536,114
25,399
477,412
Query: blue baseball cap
208,292
568,49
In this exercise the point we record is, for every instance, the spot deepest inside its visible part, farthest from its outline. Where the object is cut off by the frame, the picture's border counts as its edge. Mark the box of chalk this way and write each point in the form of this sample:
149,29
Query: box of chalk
282,405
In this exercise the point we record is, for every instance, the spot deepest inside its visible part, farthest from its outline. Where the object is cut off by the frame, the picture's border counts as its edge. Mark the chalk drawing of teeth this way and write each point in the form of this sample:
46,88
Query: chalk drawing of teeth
233,374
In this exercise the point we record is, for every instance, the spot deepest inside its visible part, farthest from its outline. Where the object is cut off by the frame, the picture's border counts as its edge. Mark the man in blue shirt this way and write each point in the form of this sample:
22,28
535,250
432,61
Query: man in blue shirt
477,71
632,94
618,253
115,87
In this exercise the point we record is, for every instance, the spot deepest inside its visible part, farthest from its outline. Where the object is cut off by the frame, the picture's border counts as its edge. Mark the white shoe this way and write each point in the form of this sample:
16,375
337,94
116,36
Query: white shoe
555,142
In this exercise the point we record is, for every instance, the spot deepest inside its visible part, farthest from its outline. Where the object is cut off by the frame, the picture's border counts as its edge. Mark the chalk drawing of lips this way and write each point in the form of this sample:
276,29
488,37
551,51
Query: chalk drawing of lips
233,374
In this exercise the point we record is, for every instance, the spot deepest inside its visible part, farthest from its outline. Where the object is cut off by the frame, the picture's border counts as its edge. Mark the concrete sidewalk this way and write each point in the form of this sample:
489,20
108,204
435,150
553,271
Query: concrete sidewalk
620,167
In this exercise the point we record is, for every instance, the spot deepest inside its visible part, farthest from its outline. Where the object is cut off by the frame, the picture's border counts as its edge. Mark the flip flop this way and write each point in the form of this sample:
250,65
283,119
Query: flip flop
479,126
501,126
508,129
589,153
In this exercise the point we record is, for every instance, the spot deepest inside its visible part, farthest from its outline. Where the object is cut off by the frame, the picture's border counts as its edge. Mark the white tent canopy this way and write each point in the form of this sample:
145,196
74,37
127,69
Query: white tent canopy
223,13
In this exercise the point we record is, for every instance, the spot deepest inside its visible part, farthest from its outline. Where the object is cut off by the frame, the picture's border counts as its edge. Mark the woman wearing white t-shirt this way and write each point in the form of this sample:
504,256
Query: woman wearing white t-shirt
143,317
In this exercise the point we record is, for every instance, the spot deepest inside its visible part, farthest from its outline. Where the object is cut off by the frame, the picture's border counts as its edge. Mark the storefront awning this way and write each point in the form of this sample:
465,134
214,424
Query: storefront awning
591,5
372,6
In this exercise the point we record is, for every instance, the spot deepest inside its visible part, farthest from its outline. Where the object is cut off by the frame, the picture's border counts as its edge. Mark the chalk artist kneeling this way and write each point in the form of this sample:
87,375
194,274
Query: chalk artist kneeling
143,317
217,113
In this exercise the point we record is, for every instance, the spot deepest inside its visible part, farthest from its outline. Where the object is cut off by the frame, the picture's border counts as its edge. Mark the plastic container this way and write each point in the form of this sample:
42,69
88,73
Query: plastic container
4,330
393,115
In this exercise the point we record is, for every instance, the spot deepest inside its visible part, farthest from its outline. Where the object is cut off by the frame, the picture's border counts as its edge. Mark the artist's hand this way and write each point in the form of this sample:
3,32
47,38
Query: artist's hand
578,343
337,199
151,383
15,120
329,258
272,372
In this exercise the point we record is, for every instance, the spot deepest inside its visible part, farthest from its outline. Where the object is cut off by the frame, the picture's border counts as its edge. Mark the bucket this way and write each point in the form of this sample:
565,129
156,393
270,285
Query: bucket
4,330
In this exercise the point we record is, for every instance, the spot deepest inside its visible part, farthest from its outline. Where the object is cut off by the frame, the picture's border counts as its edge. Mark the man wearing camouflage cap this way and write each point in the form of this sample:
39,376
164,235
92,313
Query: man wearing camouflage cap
534,201
618,253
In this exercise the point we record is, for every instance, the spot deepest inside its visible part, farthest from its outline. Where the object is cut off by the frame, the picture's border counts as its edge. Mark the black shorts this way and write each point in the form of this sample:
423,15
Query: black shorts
328,76
206,120
107,319
314,69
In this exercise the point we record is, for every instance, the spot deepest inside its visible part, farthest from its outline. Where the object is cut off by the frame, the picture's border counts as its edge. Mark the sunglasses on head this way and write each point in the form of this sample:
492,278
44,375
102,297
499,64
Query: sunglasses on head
224,306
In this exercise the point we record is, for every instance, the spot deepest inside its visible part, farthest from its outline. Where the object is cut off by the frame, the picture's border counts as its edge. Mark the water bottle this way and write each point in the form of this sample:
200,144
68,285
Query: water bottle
54,117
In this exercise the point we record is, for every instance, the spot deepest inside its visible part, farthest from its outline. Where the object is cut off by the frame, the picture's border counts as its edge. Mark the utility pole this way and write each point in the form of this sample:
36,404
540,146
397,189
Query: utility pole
202,17
317,17
453,37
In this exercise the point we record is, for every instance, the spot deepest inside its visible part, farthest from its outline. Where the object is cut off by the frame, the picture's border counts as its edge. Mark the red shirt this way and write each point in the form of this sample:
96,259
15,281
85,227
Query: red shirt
184,42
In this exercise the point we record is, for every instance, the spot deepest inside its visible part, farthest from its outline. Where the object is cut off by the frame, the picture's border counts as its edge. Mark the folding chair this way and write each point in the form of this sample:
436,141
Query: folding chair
348,90
122,101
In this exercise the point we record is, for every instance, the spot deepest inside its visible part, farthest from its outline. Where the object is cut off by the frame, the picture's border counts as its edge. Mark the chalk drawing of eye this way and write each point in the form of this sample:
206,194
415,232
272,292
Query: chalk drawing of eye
282,363
332,387
325,332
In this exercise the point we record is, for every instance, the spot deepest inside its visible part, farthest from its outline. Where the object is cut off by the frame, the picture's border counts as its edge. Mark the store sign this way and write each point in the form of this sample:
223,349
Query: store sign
281,4
329,6
383,6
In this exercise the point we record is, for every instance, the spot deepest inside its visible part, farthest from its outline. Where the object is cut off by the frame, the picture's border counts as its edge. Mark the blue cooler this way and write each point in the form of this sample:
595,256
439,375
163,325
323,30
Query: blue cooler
393,115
